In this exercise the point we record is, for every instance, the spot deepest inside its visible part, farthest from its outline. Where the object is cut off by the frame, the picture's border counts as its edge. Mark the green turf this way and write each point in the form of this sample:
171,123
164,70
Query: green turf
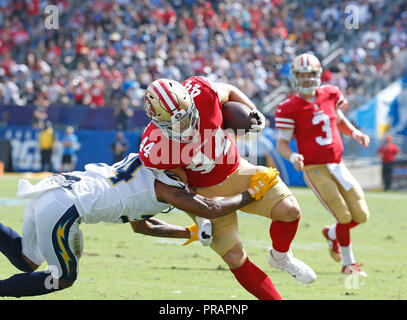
118,264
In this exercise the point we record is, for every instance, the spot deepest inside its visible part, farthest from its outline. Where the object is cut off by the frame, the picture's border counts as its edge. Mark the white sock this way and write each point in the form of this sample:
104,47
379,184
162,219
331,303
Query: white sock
332,232
347,255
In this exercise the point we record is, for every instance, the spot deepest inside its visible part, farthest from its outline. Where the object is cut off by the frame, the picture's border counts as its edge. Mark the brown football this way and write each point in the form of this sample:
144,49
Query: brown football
236,116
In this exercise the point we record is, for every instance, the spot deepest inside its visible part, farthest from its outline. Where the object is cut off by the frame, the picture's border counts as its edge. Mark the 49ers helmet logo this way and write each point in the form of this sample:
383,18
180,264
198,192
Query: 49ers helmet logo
149,108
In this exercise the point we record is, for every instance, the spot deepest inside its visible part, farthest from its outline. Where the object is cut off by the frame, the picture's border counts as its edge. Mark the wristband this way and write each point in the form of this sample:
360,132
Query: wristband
293,156
355,133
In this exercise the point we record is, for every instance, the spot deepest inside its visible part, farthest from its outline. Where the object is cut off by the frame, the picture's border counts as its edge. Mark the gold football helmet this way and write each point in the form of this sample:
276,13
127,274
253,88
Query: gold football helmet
306,64
172,109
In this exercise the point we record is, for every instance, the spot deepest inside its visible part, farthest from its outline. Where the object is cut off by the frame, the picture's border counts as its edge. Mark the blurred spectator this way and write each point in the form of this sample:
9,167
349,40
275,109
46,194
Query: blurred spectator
46,143
398,37
387,151
96,93
40,114
123,113
69,142
372,38
10,92
119,147
79,90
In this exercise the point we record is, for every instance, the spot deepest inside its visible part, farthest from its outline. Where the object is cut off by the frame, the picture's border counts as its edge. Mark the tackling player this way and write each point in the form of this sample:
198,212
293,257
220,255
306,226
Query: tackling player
124,192
314,117
186,136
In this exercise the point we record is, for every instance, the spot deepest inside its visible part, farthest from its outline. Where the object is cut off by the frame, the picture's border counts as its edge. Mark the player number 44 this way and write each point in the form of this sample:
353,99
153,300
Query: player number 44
146,148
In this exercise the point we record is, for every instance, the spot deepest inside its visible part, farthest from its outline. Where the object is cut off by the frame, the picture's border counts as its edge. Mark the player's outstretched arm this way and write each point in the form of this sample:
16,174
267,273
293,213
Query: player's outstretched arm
211,208
227,92
157,228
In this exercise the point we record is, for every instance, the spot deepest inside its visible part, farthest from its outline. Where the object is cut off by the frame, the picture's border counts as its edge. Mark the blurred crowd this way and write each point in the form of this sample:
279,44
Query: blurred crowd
105,52
373,54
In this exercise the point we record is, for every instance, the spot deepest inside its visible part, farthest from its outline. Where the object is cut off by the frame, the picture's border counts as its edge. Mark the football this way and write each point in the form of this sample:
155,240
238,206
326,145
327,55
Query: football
236,116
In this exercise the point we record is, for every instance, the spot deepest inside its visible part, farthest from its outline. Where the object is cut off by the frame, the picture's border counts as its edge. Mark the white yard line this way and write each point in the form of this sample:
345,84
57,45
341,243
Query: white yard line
12,202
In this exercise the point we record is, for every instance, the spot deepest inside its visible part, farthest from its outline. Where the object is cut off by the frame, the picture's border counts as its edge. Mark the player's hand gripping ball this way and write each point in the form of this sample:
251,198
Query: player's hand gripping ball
240,118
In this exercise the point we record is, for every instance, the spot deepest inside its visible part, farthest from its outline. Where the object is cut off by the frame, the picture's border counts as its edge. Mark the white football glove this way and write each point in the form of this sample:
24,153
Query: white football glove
204,231
261,121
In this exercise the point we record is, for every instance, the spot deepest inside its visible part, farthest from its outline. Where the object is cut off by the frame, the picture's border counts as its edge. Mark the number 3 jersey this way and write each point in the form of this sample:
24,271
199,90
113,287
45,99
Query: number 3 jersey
119,193
207,160
314,124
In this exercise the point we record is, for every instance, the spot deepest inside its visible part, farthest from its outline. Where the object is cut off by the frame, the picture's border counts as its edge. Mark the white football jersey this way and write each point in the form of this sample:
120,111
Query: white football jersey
118,193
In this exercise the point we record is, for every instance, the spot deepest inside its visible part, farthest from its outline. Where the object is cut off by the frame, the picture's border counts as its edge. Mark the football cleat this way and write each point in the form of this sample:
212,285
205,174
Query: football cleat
333,246
298,269
354,269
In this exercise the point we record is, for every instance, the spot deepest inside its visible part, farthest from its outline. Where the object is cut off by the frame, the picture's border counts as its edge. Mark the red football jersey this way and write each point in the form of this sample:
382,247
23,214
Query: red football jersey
314,123
207,160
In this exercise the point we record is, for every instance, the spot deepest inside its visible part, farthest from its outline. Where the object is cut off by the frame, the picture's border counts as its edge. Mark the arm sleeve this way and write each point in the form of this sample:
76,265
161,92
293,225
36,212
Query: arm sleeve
340,101
207,82
283,119
285,134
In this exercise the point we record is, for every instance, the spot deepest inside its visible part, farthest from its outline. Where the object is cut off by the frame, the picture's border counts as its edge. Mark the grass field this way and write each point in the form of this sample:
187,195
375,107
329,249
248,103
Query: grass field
118,264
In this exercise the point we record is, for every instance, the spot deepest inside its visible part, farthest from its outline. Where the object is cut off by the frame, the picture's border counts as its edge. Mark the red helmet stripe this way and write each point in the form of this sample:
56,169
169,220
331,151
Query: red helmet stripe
305,60
169,94
164,98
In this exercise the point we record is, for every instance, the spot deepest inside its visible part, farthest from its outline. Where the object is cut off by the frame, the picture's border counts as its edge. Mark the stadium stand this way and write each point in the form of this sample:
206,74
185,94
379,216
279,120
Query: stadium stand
105,50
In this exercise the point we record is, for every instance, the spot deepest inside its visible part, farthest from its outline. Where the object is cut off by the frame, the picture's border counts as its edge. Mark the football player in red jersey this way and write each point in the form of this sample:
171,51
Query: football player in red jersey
314,117
186,136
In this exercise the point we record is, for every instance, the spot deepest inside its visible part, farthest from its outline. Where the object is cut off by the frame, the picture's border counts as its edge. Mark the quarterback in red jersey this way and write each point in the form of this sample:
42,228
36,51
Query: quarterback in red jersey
314,117
186,136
